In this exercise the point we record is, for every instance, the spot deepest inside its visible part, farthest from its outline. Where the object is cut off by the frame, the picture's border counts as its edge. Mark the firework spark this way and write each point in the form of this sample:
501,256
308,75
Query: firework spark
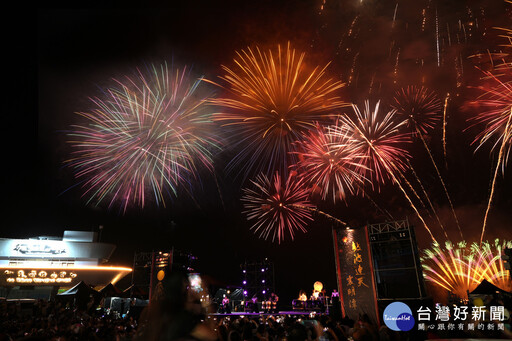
496,102
378,139
145,136
384,155
277,208
422,108
274,97
330,161
460,267
419,107
498,125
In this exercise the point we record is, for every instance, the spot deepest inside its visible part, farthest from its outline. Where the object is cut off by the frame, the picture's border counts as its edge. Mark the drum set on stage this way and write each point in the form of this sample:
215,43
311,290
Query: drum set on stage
252,305
268,306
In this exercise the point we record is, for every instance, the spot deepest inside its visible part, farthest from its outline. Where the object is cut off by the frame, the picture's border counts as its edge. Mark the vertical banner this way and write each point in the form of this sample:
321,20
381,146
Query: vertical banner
355,274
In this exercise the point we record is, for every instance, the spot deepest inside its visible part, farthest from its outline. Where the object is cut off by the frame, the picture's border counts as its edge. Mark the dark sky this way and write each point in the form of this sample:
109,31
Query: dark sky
59,57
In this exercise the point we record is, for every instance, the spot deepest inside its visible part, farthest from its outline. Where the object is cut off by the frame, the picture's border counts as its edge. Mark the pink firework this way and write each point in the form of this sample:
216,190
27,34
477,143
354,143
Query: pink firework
330,161
144,137
378,139
419,107
277,209
496,112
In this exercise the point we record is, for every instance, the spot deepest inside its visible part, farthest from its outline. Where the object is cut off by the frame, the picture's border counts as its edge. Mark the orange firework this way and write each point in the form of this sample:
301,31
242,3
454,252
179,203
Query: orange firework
272,98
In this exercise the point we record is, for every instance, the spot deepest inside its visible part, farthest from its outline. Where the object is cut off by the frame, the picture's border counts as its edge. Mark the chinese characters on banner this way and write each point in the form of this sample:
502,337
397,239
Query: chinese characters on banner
355,277
461,318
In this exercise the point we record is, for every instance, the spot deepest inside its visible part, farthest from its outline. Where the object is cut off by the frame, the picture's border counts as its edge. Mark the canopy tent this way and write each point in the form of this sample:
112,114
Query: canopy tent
83,296
110,290
487,288
80,288
134,291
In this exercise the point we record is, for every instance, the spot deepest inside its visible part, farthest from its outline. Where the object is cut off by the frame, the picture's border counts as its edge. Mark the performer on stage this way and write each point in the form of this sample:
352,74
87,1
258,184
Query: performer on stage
273,300
252,305
335,309
226,307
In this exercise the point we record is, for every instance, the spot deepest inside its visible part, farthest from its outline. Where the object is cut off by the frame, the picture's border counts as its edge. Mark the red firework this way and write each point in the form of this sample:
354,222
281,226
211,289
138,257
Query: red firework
419,107
330,161
277,208
378,139
496,113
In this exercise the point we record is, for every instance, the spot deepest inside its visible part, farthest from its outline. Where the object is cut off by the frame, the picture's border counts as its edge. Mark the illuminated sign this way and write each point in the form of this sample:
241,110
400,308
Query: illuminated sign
49,249
355,274
38,276
93,275
39,248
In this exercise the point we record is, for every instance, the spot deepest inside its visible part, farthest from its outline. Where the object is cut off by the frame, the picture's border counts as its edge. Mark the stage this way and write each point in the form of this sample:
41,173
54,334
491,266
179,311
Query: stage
280,313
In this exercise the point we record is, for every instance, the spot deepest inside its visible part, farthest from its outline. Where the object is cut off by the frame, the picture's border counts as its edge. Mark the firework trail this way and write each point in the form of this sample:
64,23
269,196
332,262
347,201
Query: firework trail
330,161
145,136
421,109
459,268
442,182
497,103
437,41
386,156
508,131
274,97
394,15
444,129
218,189
428,199
278,209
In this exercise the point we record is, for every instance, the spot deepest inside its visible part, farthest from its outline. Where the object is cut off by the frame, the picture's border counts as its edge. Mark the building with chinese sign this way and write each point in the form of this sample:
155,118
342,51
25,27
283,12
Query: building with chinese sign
376,265
57,262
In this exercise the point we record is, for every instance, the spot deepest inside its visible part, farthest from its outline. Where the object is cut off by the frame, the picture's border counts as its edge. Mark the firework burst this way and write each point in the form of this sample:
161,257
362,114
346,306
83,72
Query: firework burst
331,161
277,208
273,98
419,107
496,102
497,118
460,267
144,137
378,139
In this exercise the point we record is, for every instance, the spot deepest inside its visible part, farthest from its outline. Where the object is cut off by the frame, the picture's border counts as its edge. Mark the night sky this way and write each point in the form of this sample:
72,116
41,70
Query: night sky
59,57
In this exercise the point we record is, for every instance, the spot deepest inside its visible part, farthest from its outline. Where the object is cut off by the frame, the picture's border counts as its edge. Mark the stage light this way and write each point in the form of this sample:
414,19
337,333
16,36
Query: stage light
263,292
262,270
262,281
244,282
245,292
243,271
